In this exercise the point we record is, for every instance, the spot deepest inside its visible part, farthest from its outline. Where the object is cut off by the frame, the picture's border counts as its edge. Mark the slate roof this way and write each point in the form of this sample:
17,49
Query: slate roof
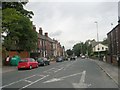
45,38
96,43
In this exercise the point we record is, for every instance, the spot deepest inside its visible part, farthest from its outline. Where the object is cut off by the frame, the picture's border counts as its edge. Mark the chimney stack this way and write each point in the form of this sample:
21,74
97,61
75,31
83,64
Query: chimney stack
46,34
40,31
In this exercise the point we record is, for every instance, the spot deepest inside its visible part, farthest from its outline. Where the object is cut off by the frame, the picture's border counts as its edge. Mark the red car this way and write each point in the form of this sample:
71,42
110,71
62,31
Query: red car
27,63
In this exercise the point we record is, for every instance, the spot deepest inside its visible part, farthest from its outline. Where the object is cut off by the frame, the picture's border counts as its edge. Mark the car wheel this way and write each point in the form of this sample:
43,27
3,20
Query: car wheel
30,67
18,68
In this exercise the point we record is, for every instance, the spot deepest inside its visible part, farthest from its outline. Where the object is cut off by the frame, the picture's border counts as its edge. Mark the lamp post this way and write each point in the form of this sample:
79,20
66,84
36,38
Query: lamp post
97,38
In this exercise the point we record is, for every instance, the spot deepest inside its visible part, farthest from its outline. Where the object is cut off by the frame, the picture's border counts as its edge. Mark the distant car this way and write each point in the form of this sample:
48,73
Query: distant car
59,59
83,57
66,58
27,63
72,58
75,57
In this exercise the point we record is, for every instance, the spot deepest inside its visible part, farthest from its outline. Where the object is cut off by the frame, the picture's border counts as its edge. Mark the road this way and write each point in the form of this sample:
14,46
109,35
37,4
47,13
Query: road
81,73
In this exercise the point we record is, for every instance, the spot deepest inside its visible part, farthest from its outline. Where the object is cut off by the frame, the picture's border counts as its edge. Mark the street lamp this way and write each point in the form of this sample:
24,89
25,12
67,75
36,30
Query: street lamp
97,37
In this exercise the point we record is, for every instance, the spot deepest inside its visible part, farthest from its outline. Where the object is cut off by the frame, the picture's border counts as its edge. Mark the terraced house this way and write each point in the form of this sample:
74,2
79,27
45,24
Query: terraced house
48,47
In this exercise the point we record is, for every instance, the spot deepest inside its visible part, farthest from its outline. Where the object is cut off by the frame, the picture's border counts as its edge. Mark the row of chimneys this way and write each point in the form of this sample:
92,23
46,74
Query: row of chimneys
40,31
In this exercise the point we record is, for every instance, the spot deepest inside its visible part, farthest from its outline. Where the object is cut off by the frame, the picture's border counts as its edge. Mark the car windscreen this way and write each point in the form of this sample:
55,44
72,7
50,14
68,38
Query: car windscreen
23,61
39,60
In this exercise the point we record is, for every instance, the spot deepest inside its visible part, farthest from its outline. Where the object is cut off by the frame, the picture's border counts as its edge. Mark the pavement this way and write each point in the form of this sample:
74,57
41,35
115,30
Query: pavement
109,69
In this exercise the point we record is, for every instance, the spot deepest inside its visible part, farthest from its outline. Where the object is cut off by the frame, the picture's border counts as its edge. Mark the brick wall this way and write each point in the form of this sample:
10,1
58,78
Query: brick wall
114,60
23,54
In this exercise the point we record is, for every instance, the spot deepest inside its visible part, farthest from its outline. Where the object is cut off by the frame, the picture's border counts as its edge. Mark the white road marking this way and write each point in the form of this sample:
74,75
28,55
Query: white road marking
49,70
40,75
52,69
81,83
53,80
62,78
58,69
28,81
67,66
17,81
34,82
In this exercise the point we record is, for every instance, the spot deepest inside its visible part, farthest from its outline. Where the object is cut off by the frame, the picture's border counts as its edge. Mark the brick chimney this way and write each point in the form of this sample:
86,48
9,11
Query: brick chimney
40,31
46,34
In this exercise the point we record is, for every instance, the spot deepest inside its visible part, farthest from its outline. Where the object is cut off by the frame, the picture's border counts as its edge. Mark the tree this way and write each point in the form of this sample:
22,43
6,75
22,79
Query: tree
88,47
19,7
19,30
105,41
69,52
77,49
82,48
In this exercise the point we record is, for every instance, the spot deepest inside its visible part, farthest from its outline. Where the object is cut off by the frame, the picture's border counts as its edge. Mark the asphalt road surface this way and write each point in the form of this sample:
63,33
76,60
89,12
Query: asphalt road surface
81,73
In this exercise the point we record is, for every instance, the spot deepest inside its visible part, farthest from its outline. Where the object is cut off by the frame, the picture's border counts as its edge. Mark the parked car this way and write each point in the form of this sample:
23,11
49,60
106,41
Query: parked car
46,61
40,61
27,63
59,59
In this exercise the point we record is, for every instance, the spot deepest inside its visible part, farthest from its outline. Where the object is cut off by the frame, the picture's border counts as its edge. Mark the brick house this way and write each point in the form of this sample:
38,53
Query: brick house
48,47
55,42
45,44
114,44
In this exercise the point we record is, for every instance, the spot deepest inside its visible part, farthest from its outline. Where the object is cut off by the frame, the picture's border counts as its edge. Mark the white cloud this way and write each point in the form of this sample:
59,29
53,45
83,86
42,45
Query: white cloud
57,33
74,21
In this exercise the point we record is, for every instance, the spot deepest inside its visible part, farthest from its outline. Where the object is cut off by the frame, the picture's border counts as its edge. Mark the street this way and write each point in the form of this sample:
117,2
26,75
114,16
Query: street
81,73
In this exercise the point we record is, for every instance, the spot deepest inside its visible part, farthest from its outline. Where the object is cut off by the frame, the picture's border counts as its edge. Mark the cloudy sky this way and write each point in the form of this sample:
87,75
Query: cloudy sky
72,21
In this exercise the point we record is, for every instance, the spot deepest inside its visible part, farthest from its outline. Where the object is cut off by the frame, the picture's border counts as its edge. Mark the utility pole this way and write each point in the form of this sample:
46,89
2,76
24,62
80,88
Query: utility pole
97,39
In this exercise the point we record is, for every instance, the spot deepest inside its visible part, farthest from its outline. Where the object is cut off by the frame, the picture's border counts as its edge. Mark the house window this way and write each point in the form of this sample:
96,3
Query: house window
98,48
102,48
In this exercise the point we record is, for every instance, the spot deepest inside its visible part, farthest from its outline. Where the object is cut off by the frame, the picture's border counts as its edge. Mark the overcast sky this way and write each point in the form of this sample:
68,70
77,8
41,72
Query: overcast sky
70,21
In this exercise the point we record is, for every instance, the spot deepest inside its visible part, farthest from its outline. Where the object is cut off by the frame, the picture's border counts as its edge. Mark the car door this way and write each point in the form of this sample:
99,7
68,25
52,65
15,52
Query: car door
34,62
31,62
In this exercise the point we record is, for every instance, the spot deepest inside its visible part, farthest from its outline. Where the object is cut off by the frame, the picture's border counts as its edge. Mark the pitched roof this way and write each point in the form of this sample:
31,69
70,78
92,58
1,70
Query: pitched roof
45,38
94,44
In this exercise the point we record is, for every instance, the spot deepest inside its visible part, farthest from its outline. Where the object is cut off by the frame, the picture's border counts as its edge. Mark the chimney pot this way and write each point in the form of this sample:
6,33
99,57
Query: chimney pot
46,34
40,31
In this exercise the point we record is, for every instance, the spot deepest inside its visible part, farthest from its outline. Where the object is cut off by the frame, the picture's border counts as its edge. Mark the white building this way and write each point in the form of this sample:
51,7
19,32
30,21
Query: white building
99,47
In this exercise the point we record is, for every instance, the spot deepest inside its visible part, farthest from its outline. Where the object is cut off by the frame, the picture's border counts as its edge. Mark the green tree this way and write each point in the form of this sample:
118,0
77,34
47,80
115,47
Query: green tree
69,52
77,49
105,41
19,6
19,30
88,47
82,48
